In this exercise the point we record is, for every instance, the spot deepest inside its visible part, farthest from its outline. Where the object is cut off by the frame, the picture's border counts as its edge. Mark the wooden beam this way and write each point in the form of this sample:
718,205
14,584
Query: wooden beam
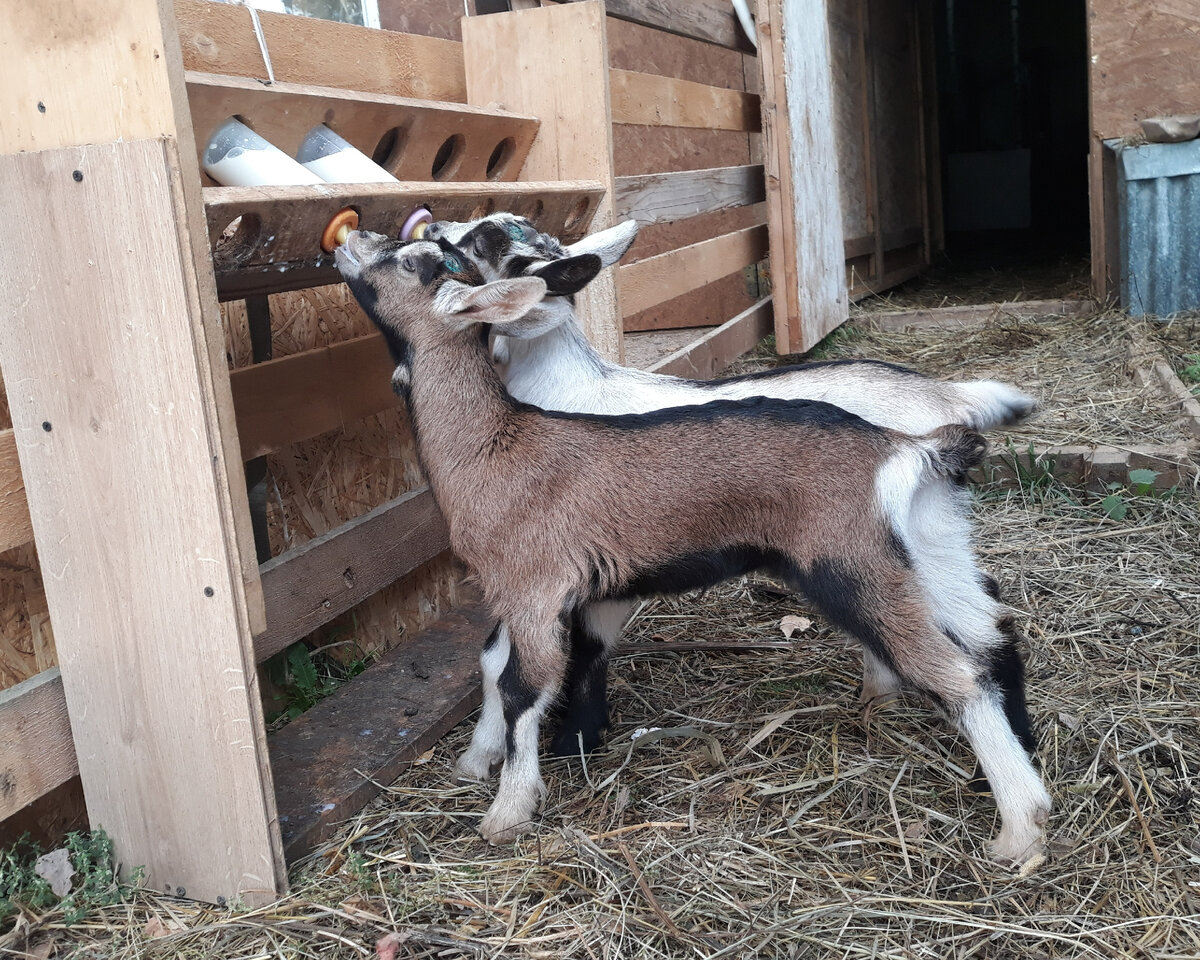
707,356
307,587
37,753
15,527
569,91
656,101
276,244
333,759
112,445
663,197
220,38
712,21
805,217
418,129
655,280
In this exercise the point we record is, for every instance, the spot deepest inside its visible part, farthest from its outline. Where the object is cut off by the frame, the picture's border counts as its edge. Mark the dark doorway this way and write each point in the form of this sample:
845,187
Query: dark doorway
1013,119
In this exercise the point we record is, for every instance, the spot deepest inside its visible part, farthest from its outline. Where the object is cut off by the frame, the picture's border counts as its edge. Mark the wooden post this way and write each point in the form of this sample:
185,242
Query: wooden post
552,62
113,358
800,155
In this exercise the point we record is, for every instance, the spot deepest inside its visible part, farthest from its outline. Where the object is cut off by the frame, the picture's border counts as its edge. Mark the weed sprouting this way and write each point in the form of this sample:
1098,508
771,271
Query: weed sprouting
94,884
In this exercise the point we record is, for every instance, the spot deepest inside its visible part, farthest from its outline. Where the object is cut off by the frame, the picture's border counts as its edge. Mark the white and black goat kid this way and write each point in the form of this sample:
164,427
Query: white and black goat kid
546,360
553,512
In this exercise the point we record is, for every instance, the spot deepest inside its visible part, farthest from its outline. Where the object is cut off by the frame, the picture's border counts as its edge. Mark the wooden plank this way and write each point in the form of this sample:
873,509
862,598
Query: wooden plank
805,218
37,753
284,112
655,101
658,279
219,38
277,244
281,402
330,762
715,350
112,445
569,91
310,585
662,197
973,315
1152,369
1096,467
710,20
15,527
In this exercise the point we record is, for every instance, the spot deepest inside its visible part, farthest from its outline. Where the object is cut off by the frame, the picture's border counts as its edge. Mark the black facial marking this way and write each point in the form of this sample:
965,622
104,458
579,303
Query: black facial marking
488,241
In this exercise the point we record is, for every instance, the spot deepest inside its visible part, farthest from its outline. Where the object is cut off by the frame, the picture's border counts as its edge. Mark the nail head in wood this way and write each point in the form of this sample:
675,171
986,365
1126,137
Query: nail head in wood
77,176
208,591
41,107
46,426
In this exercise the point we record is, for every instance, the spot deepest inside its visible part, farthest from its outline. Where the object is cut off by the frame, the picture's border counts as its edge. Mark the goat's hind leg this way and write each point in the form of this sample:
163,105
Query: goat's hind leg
884,608
528,684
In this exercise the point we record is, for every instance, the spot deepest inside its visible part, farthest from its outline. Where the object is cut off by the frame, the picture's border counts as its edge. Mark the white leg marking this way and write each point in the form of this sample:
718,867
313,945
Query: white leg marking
880,684
521,786
1020,794
605,620
487,743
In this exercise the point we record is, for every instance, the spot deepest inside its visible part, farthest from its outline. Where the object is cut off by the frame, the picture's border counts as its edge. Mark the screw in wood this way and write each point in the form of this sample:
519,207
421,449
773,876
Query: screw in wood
209,591
77,176
46,426
41,107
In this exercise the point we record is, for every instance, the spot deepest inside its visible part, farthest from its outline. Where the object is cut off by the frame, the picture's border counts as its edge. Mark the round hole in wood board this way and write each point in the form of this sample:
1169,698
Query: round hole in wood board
390,149
498,162
237,242
578,212
448,158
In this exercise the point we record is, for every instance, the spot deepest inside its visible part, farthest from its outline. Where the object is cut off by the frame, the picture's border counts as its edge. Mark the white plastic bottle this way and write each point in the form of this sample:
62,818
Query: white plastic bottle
236,156
334,160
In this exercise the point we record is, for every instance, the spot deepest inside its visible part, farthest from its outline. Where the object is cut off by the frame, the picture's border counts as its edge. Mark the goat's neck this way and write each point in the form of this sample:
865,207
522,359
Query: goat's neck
461,415
553,365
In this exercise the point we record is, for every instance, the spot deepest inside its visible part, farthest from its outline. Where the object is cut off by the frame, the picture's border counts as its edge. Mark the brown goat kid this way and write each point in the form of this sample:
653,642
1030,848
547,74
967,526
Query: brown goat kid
552,511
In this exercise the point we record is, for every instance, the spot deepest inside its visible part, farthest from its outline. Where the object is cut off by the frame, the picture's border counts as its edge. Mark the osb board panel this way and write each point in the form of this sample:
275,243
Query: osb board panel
1143,62
319,484
897,114
26,640
850,118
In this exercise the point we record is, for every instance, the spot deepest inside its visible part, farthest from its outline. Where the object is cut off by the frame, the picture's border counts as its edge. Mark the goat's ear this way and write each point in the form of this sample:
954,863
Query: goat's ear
565,277
499,302
609,245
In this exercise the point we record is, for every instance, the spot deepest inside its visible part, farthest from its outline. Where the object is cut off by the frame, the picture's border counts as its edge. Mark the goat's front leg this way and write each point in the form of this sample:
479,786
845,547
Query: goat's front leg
487,743
528,686
595,629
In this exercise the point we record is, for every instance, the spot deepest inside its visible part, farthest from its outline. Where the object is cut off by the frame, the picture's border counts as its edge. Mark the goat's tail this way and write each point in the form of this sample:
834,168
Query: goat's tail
985,404
955,450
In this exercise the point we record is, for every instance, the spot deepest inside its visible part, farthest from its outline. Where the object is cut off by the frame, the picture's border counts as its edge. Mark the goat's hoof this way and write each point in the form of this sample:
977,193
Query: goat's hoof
496,828
1016,848
475,769
566,743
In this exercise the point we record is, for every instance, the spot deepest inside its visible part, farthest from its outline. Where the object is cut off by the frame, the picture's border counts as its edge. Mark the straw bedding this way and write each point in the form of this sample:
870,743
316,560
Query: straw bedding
767,816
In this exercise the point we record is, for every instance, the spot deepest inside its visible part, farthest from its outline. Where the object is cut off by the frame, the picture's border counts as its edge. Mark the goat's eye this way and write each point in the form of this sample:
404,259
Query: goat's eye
452,263
516,231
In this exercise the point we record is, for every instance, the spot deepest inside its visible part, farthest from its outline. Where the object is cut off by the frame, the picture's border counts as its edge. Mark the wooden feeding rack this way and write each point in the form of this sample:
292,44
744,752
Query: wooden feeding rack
131,432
